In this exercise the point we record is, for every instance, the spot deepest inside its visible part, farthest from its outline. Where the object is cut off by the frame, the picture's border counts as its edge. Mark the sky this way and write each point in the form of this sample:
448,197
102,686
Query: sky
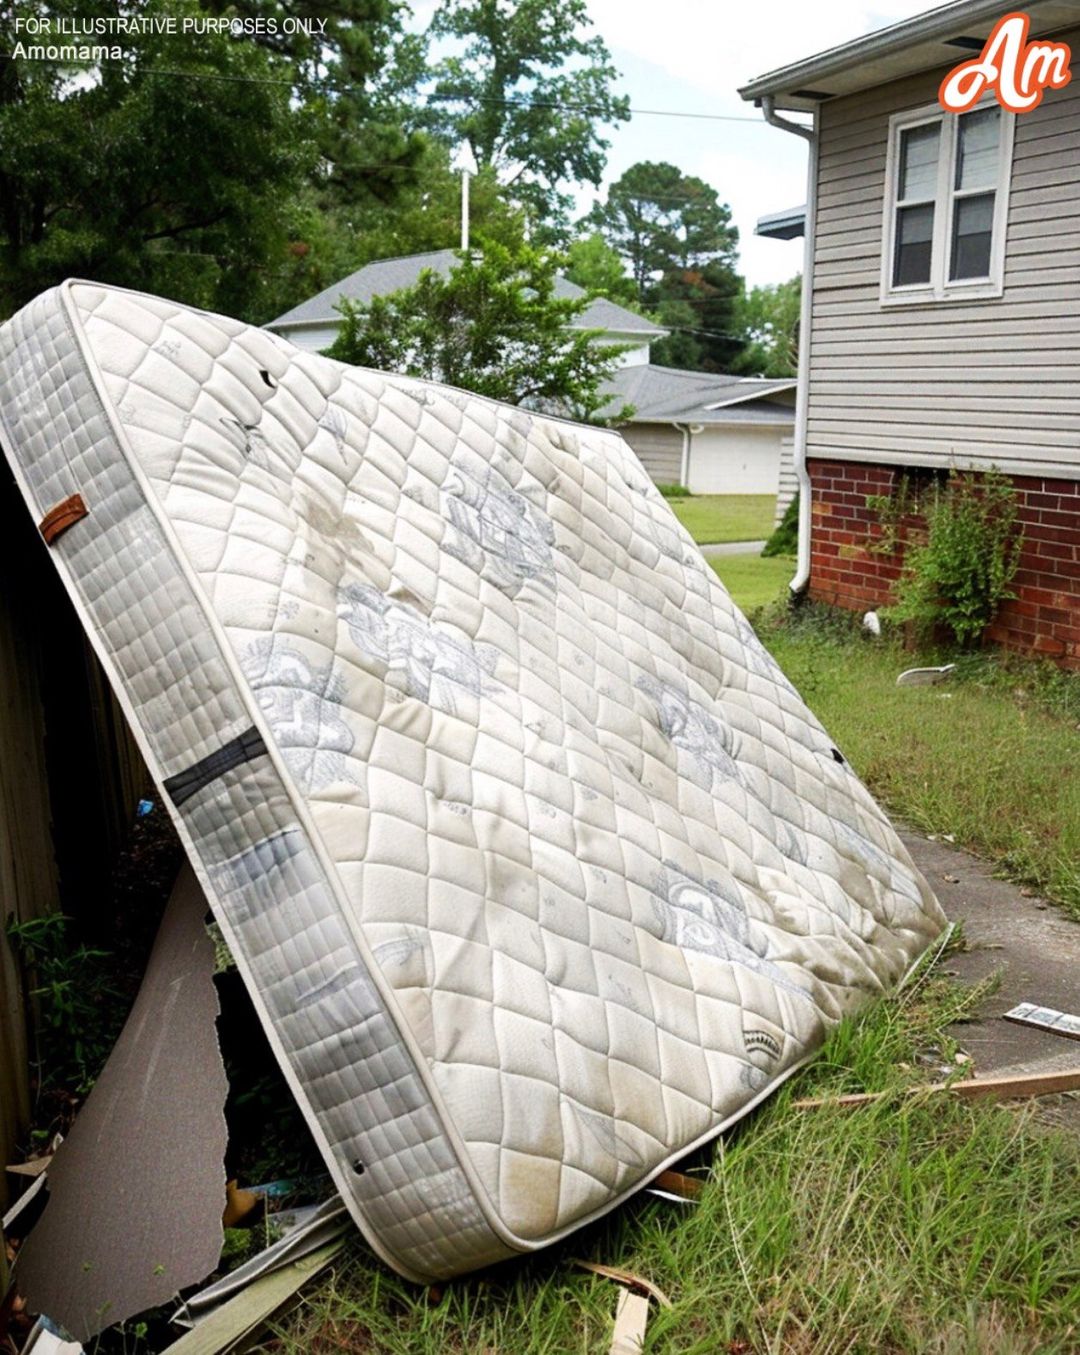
691,56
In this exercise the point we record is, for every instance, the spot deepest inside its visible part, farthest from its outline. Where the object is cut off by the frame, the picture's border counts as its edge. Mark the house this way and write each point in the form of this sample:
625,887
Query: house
941,305
314,323
713,434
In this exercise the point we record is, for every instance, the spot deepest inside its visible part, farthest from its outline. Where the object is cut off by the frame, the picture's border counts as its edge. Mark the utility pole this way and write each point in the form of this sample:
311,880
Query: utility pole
464,210
465,163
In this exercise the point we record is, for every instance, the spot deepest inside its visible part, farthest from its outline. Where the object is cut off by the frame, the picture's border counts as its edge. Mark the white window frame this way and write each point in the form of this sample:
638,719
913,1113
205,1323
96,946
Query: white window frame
939,288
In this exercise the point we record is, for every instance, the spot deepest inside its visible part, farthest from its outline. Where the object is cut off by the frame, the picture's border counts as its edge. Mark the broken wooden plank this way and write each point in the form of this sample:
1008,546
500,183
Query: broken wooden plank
686,1187
1045,1018
1000,1088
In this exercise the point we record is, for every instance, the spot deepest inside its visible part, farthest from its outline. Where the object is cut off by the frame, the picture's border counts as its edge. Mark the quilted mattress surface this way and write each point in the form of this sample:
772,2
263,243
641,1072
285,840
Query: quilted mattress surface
537,868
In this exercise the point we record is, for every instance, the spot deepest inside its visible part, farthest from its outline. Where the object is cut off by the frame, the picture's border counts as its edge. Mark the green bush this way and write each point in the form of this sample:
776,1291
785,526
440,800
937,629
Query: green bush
960,575
785,537
674,491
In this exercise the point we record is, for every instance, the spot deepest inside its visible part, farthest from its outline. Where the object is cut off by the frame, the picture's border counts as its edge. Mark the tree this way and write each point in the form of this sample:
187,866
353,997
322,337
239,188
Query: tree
527,94
662,221
347,75
769,316
681,248
125,172
594,265
493,326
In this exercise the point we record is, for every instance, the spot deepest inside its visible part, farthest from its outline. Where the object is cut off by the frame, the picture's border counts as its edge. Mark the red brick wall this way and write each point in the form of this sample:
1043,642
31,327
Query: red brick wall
1044,618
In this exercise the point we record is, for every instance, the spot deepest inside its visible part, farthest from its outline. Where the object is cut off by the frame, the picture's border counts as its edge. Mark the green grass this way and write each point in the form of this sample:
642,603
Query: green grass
917,1224
752,581
990,756
713,518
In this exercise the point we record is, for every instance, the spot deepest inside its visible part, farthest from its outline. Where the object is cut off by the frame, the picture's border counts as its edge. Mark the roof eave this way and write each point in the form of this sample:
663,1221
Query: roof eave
792,86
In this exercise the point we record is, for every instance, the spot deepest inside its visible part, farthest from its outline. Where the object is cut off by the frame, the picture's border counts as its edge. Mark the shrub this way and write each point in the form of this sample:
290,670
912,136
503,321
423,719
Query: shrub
785,537
674,491
960,574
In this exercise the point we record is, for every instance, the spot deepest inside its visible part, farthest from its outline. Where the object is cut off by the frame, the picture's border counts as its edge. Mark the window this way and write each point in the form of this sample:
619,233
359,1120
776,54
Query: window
946,202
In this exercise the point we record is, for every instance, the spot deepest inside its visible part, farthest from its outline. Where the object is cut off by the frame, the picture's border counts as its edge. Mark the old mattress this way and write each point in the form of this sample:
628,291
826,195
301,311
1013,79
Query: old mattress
538,869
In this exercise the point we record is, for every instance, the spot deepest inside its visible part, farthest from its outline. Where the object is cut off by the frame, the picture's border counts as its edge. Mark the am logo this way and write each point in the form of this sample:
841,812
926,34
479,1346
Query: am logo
1019,72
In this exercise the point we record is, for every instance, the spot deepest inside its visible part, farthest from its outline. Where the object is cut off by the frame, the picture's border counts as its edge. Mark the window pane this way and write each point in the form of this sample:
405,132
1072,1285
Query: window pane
918,162
973,230
977,149
914,241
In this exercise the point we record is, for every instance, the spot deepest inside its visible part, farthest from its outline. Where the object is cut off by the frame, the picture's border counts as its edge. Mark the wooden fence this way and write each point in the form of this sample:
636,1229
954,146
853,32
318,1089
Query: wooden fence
70,776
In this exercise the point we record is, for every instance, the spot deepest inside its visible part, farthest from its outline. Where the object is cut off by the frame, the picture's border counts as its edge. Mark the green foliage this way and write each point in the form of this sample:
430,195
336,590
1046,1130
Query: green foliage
127,177
593,264
674,491
785,537
961,573
75,1003
769,318
494,325
347,78
680,246
527,91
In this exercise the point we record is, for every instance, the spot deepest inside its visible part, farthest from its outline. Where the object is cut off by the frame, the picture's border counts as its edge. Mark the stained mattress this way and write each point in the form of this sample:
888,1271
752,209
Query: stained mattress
538,869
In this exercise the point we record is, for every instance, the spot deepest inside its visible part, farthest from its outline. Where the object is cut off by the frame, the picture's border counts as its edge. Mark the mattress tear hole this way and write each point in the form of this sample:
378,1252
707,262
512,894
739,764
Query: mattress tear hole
268,378
837,755
358,1168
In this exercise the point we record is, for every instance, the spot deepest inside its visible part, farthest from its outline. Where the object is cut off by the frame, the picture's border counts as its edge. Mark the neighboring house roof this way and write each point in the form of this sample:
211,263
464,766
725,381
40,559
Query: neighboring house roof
786,225
940,37
672,395
390,275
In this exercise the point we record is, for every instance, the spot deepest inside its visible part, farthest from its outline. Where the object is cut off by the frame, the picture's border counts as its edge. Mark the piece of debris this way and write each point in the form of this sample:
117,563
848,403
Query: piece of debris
238,1204
311,1228
227,1326
872,622
924,677
1045,1018
997,1088
136,1190
631,1318
44,1339
671,1185
626,1277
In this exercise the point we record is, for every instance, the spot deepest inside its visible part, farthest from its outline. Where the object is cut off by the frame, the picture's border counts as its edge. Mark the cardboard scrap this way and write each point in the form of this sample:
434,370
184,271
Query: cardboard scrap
137,1189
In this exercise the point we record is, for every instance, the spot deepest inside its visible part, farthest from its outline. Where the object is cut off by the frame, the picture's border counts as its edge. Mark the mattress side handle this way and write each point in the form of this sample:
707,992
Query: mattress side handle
63,515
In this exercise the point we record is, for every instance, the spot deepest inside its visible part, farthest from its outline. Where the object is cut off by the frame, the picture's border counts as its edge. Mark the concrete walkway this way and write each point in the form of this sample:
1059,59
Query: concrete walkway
732,548
1032,944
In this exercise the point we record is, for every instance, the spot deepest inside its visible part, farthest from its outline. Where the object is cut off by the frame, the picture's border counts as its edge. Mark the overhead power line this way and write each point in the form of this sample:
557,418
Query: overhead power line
332,86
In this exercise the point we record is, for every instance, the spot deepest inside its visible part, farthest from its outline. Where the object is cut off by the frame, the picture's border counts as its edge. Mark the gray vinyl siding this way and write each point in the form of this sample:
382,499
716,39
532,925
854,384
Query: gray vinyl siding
659,448
789,483
979,382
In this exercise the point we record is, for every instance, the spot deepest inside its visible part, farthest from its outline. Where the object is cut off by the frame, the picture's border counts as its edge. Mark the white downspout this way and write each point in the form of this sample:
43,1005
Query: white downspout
802,393
687,430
